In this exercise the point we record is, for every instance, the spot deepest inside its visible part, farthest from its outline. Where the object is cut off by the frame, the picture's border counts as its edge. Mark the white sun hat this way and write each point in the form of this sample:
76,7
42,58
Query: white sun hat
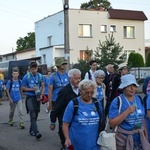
127,80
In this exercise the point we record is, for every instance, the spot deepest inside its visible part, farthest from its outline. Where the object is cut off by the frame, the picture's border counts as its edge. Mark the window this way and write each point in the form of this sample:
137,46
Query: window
84,55
112,28
128,53
129,32
103,28
85,30
44,59
49,40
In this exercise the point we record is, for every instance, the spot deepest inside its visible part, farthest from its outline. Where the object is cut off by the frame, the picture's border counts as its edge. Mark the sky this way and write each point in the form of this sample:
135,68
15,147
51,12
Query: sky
17,18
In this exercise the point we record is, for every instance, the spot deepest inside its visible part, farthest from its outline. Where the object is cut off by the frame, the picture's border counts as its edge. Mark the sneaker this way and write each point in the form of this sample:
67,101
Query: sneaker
11,123
38,135
22,125
32,133
1,103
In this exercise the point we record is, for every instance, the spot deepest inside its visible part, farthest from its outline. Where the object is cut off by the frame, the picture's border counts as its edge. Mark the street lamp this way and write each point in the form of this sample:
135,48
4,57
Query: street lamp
66,31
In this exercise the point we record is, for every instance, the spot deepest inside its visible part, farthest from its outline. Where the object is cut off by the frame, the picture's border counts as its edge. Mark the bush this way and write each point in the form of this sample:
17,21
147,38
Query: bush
135,60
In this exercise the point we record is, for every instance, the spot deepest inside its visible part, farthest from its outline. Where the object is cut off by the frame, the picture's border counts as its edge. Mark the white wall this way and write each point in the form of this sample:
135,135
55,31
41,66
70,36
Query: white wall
54,26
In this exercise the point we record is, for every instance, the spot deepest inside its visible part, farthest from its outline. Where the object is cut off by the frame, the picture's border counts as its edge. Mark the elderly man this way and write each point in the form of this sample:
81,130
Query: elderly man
66,94
108,78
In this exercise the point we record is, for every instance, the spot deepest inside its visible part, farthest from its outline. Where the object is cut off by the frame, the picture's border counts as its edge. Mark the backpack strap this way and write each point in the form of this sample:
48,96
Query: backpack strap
89,75
97,107
11,82
75,106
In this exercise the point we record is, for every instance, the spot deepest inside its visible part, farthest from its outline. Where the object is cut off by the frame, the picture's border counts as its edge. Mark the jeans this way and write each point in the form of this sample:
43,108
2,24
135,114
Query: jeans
33,107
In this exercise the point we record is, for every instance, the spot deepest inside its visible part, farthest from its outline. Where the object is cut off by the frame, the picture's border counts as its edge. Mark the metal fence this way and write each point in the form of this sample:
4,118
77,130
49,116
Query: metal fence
140,72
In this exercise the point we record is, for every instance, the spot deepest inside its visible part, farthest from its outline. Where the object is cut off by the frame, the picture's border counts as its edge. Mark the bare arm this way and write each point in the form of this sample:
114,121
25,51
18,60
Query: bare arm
145,129
50,96
66,133
117,120
8,94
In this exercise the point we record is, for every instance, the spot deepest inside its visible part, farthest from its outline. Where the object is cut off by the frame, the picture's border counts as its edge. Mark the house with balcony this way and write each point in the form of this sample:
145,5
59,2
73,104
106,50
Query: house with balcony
86,28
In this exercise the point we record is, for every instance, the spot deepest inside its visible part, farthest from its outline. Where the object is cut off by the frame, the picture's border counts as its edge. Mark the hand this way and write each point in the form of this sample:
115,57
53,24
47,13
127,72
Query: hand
67,142
49,108
52,127
35,88
131,109
11,102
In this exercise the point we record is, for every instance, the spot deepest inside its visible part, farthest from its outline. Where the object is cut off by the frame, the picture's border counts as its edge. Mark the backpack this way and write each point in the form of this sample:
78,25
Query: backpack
11,82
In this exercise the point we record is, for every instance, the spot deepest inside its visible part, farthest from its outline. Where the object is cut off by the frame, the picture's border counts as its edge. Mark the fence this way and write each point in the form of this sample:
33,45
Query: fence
140,72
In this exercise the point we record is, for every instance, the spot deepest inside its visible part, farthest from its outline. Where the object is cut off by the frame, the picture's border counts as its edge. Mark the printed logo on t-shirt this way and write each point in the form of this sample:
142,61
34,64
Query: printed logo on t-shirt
85,114
93,113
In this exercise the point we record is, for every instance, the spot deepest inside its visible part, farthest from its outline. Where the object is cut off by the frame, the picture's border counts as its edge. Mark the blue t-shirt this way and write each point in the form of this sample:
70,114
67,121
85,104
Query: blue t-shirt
15,92
58,81
31,81
1,84
99,96
83,131
46,84
131,120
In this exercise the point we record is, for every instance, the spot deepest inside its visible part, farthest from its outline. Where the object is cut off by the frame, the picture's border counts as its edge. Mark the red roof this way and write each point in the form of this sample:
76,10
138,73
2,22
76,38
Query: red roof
127,14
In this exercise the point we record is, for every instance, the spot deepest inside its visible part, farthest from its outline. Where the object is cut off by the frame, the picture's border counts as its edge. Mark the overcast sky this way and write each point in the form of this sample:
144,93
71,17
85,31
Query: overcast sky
17,17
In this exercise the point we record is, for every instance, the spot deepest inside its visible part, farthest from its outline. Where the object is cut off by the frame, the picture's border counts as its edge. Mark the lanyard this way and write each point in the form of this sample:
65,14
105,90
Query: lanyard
135,104
34,78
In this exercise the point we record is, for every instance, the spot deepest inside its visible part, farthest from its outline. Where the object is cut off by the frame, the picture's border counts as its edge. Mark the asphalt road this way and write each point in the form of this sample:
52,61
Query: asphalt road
14,138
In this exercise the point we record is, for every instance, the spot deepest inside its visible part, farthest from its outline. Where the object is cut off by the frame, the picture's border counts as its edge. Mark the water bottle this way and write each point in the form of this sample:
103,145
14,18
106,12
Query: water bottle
37,93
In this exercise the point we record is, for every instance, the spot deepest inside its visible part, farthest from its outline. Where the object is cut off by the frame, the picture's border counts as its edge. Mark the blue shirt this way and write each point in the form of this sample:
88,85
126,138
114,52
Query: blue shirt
15,93
1,84
46,84
83,131
58,81
132,119
31,81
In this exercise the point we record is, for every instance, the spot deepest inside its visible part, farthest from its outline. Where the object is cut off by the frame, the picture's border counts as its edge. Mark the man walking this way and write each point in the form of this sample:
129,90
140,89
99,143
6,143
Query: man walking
13,89
33,86
66,94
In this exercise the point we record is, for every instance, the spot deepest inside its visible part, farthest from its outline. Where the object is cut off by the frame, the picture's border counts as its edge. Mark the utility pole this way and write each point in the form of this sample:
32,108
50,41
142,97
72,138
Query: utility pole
66,32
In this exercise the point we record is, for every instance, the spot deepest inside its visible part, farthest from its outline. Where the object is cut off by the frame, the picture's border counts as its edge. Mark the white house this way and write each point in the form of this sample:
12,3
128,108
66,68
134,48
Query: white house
86,28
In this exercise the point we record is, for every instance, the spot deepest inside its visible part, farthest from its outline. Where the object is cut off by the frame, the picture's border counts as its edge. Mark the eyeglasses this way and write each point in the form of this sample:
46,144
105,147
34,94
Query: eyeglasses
102,78
88,93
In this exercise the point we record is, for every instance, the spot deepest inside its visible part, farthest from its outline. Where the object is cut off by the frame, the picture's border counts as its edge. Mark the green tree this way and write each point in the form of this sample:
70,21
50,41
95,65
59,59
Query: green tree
148,61
26,42
109,52
135,60
95,4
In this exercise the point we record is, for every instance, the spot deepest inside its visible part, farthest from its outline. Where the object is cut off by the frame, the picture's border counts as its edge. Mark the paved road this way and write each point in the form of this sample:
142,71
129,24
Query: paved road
14,138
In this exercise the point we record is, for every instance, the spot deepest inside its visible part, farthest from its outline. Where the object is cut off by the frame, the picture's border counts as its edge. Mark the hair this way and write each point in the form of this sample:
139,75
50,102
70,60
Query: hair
99,72
15,70
84,84
109,65
91,62
72,71
33,64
